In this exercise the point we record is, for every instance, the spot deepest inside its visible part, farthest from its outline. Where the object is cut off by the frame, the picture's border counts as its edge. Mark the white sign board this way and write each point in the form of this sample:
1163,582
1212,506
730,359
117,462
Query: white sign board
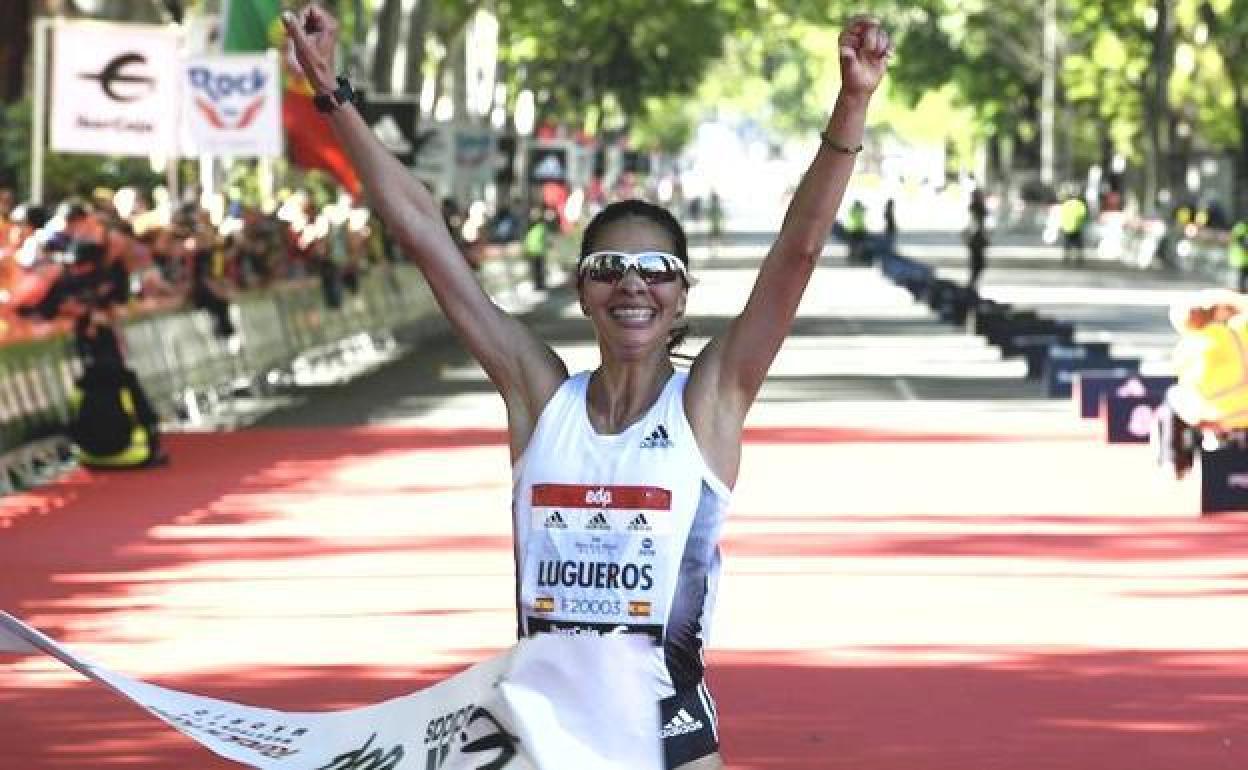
458,161
232,105
114,88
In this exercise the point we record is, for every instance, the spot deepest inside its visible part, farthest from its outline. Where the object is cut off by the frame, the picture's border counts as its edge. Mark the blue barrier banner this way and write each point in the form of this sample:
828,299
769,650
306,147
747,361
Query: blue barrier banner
1224,479
1093,389
1129,419
1060,379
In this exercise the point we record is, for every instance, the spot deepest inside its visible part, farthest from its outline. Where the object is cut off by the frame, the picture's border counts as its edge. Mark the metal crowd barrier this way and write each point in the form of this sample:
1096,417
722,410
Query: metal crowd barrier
1149,243
179,359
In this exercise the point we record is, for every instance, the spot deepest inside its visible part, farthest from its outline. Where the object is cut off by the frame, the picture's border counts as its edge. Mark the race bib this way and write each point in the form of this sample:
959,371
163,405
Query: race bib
598,560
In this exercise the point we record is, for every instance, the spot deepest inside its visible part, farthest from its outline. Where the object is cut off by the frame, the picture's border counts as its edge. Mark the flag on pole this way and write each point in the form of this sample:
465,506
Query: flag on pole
550,703
252,25
255,25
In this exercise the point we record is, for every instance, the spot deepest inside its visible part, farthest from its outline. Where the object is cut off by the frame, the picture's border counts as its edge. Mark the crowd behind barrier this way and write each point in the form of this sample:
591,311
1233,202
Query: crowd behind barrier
272,301
1149,243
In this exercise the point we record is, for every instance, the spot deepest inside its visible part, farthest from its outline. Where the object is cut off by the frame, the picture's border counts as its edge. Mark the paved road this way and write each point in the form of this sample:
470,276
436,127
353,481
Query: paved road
857,338
927,564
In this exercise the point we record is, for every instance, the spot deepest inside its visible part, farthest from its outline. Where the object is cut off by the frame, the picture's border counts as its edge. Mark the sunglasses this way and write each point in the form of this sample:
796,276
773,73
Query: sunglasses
651,266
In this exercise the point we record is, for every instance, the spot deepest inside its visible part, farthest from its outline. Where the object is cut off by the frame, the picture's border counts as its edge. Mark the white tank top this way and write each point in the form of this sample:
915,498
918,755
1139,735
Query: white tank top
619,533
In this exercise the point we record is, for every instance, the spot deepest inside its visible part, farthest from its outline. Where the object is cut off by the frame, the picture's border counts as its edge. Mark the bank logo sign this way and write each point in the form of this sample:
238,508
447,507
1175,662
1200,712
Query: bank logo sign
114,89
232,105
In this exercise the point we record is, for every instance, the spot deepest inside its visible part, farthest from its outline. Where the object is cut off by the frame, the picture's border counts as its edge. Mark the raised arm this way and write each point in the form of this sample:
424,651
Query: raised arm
730,370
524,369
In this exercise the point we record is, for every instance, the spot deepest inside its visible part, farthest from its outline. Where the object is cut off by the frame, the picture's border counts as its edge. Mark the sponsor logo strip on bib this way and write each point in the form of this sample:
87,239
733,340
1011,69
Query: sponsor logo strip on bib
601,496
602,509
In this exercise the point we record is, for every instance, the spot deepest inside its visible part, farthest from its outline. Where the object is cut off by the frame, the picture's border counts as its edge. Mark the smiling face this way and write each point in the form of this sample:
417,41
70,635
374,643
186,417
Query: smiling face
632,319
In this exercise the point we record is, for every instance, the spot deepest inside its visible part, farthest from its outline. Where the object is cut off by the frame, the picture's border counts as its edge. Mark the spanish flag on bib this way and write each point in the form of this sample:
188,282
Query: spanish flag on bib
253,25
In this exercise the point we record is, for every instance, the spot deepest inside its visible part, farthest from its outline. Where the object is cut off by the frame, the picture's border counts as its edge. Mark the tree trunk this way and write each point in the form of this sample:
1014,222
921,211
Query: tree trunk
16,22
418,27
459,76
387,45
1157,109
1241,160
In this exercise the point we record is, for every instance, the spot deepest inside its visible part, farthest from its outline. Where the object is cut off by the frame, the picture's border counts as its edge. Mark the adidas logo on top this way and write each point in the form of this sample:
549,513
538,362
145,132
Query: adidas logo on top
681,724
658,439
555,521
639,524
599,521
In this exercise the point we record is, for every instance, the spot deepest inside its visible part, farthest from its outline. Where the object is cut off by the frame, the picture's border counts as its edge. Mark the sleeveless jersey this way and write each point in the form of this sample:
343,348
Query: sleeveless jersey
619,533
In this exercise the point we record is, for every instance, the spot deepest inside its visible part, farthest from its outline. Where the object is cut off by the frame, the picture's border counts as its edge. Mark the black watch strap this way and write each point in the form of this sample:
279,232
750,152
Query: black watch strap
344,93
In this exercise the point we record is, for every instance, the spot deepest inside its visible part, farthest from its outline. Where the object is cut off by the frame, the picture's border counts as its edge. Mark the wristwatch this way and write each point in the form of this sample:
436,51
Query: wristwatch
327,103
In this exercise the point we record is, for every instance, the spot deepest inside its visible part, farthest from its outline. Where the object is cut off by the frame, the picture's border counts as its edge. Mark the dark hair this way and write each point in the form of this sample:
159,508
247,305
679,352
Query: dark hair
658,216
72,210
637,209
32,214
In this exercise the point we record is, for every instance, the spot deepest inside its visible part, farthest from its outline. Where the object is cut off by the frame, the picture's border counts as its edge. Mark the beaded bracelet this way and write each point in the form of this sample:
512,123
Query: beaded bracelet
832,144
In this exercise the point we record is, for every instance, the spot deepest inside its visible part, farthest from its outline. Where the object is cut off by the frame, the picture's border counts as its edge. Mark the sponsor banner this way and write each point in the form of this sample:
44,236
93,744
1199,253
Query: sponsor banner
548,163
539,706
114,88
232,105
393,120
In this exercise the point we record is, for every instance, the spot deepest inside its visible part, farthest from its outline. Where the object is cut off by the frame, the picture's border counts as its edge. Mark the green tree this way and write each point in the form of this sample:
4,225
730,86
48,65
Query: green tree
1226,24
64,175
613,55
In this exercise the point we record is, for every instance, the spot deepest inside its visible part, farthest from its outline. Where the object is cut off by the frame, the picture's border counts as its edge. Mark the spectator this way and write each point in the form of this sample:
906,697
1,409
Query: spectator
1237,254
254,248
890,221
195,247
1215,216
537,244
715,213
1073,217
12,233
1211,395
976,237
504,227
856,233
113,424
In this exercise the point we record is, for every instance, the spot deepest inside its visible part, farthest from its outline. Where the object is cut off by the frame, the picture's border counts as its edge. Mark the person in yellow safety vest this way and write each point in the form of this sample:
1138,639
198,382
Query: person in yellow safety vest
537,243
1237,255
1072,216
112,425
856,233
1211,364
716,216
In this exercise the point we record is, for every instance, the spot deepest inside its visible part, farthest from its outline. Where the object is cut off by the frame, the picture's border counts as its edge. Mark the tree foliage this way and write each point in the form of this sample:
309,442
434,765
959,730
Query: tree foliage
64,175
616,55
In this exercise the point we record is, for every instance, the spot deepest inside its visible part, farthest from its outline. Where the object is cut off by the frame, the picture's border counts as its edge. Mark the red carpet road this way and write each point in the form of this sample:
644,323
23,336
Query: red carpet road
893,599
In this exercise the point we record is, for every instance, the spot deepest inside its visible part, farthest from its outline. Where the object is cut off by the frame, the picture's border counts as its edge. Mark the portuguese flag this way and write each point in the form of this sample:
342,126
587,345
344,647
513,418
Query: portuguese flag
253,25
